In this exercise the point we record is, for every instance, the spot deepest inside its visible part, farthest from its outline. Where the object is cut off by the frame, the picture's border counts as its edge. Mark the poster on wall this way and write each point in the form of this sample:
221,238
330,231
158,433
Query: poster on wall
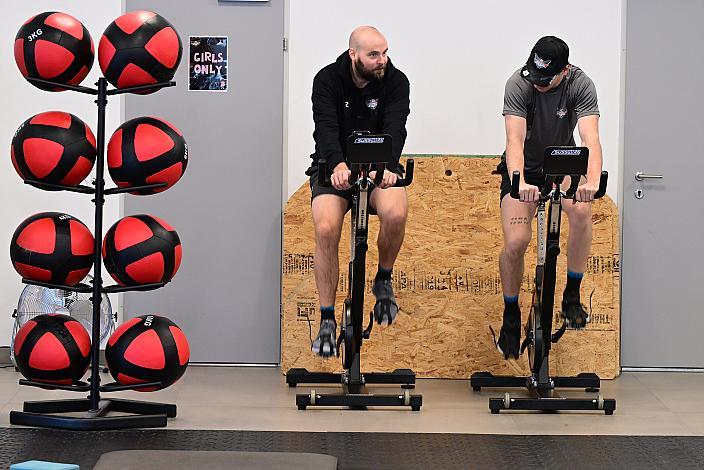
207,63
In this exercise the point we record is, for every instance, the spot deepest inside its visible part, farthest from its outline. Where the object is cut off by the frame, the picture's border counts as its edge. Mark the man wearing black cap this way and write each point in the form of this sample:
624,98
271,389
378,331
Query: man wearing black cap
361,90
543,103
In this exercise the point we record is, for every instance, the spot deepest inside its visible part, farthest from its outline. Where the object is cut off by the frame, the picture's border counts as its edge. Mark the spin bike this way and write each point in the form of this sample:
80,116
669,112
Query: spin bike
365,153
559,162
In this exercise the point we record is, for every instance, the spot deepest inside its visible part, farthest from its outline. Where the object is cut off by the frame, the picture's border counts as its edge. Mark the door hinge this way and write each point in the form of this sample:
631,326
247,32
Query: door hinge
285,44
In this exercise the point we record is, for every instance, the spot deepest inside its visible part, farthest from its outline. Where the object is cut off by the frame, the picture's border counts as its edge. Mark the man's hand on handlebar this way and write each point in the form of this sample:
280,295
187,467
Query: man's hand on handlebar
585,193
528,193
340,178
387,181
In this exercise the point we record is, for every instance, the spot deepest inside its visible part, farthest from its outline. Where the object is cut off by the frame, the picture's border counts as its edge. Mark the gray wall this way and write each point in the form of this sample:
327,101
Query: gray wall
661,259
227,207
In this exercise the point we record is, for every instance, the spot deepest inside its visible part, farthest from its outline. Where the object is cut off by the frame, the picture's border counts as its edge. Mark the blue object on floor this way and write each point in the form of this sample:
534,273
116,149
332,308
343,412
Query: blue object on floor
41,465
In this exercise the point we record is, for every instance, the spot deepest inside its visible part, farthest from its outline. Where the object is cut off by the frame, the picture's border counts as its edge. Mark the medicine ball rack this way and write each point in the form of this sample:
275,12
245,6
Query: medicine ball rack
136,414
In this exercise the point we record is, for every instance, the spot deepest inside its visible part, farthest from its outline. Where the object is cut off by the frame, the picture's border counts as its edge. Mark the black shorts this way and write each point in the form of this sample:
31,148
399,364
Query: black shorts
317,190
534,178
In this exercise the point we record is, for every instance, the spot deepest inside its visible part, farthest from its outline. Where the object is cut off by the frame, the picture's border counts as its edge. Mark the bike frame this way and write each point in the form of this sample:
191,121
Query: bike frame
354,393
539,336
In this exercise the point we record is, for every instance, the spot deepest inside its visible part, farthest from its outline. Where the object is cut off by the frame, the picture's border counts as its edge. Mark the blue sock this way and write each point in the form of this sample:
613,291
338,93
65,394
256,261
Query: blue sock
327,313
383,273
511,310
574,280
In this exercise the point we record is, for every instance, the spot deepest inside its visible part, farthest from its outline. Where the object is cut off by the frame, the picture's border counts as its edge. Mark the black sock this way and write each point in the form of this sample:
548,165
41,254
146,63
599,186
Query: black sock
574,280
327,313
383,274
512,313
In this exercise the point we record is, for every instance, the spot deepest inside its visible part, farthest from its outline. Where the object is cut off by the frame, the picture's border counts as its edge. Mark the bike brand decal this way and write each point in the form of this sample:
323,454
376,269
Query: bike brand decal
369,140
566,152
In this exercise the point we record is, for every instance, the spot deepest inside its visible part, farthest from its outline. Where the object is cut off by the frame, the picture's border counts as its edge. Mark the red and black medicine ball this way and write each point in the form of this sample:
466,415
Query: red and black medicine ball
149,348
52,348
147,150
141,249
54,46
52,247
54,147
139,48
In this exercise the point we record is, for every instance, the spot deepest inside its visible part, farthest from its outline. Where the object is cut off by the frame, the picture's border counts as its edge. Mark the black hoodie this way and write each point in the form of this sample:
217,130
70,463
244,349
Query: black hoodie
339,108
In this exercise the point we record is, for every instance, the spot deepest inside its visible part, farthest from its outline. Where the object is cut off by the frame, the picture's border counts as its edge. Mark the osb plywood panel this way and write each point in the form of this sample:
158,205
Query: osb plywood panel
447,282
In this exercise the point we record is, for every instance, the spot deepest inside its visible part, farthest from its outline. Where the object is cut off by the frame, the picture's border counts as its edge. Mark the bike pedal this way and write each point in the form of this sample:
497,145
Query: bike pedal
368,330
526,342
339,340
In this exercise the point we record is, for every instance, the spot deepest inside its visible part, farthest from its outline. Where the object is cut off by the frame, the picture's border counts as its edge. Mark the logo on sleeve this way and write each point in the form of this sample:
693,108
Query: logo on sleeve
540,63
373,103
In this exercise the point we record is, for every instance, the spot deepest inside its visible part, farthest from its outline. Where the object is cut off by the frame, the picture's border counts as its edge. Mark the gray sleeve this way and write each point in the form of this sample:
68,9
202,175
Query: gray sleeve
515,98
586,103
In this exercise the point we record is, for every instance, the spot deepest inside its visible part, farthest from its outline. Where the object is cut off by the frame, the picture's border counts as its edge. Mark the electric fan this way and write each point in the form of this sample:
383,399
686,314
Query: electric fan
37,300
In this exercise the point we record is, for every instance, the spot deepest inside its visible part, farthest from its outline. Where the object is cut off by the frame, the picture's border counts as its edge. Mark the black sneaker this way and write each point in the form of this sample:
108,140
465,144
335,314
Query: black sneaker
325,345
385,308
574,313
509,343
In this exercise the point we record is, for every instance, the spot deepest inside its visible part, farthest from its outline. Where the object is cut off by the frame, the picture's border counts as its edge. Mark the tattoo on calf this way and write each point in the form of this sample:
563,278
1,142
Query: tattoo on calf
518,221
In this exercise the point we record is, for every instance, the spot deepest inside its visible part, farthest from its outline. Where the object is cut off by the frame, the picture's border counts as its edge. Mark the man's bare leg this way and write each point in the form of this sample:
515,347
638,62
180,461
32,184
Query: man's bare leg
391,205
328,214
516,223
579,245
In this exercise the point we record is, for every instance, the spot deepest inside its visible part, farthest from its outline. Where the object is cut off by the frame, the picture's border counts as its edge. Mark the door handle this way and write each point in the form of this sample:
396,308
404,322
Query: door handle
640,176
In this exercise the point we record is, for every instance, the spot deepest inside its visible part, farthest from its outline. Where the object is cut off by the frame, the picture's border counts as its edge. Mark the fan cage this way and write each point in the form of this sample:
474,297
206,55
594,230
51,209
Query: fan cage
37,300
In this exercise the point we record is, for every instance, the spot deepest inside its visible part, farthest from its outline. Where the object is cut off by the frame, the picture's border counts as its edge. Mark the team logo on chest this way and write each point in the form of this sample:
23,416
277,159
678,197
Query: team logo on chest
373,103
562,112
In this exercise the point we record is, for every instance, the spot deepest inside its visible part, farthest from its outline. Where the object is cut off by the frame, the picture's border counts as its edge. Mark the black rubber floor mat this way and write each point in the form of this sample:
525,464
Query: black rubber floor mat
372,450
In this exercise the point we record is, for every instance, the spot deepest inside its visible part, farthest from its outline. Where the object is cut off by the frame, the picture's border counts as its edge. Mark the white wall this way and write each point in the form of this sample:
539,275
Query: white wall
457,55
20,100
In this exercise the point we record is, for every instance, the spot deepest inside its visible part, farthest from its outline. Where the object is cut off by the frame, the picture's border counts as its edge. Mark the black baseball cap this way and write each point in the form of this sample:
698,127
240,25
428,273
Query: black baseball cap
549,56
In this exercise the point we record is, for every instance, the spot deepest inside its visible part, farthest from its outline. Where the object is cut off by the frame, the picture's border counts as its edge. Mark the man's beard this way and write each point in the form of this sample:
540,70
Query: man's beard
367,74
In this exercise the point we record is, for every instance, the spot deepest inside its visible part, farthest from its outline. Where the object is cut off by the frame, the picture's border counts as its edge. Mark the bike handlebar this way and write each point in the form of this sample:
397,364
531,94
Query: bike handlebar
570,194
602,185
324,177
408,177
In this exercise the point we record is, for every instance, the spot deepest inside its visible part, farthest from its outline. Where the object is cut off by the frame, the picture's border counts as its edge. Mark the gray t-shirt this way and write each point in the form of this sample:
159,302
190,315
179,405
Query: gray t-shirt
551,116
